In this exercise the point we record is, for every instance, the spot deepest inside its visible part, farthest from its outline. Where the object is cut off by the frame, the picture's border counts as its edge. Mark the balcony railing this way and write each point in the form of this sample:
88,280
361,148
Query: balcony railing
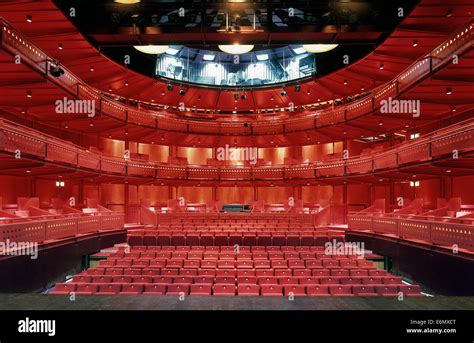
17,44
450,232
21,141
29,230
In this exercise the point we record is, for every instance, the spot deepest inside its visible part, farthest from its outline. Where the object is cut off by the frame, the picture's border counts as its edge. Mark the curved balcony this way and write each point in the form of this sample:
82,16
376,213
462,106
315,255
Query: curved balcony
34,145
460,42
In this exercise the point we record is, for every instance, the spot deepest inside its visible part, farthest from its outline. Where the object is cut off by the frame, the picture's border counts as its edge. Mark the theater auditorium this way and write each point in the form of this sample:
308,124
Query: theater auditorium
237,154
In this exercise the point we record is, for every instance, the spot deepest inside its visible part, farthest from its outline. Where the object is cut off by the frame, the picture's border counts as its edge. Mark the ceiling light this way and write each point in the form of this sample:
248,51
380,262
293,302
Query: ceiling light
262,57
236,49
152,49
56,71
319,48
127,2
207,57
172,51
299,50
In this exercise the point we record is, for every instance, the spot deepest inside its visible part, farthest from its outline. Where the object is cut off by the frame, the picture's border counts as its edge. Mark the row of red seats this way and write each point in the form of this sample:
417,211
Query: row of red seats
236,226
226,239
241,290
235,273
237,264
224,248
215,255
254,280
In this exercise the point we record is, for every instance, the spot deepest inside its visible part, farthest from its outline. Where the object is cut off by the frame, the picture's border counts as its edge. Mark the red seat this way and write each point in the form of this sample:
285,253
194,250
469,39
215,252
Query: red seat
192,239
371,280
363,290
410,290
249,239
317,290
225,280
264,239
149,240
247,280
340,290
132,288
177,289
271,290
350,280
392,280
164,238
64,288
154,289
82,279
86,288
288,280
248,290
109,288
388,290
267,280
178,239
295,290
201,289
223,290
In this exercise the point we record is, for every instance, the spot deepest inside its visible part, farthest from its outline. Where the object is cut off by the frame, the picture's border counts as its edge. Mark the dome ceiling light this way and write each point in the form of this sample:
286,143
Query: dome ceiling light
127,2
236,49
319,48
152,49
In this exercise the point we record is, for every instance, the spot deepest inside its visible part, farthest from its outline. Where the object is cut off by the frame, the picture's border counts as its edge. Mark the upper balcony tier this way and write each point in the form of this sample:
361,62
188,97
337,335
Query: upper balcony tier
140,122
26,152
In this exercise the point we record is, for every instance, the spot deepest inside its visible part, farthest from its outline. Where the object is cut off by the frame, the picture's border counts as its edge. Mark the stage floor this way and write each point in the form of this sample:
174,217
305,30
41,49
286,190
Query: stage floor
164,302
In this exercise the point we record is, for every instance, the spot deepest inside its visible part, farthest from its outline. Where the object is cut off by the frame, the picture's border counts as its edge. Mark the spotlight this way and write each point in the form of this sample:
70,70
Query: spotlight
283,92
56,70
182,92
297,88
169,87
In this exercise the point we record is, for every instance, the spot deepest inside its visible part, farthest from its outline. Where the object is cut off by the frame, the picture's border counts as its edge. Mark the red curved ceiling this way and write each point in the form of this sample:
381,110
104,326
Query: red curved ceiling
427,24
